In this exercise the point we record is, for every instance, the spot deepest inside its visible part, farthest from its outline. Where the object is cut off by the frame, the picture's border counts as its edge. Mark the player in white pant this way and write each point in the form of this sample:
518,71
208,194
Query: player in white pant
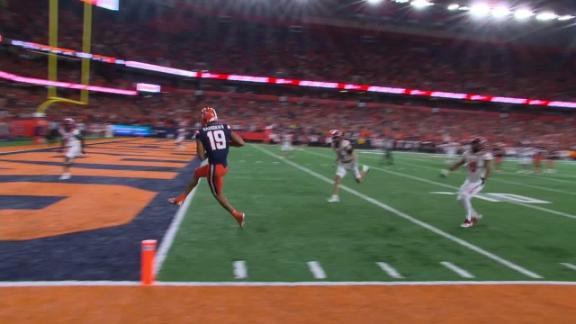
479,169
180,138
451,151
287,143
347,161
73,142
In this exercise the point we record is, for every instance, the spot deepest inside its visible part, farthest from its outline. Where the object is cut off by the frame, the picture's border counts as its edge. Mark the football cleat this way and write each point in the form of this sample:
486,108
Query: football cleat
240,218
467,224
65,176
334,199
178,201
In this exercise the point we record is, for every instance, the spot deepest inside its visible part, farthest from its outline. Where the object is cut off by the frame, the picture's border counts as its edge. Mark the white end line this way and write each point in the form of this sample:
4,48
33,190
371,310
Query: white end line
316,270
170,235
390,270
461,272
240,270
413,220
11,284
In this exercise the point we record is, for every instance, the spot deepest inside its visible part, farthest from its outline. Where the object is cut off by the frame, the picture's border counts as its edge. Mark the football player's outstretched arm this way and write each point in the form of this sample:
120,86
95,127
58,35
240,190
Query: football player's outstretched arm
200,150
237,141
454,167
457,165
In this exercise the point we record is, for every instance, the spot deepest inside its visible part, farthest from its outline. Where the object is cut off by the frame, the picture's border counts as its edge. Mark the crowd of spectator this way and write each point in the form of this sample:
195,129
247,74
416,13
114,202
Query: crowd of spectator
186,40
189,40
304,117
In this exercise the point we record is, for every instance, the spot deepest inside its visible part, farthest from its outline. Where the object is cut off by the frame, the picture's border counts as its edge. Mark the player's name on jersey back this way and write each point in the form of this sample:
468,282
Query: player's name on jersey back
213,127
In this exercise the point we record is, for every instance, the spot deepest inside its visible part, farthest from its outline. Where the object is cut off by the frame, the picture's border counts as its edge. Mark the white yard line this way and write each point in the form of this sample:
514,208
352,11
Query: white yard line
393,273
569,266
10,284
543,209
240,270
456,269
316,270
170,235
400,174
511,173
412,219
497,179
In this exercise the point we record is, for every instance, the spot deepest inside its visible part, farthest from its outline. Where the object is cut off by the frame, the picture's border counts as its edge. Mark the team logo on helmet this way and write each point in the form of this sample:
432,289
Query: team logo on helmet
478,143
336,133
208,115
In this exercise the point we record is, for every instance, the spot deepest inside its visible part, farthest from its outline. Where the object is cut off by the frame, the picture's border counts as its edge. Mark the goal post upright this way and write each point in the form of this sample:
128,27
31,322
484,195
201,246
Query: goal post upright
52,96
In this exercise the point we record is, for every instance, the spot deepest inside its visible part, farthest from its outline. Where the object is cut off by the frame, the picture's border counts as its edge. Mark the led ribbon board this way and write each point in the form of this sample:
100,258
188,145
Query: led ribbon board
299,83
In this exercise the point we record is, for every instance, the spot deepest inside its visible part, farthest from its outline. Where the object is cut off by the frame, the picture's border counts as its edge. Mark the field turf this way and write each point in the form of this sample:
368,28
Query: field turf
401,224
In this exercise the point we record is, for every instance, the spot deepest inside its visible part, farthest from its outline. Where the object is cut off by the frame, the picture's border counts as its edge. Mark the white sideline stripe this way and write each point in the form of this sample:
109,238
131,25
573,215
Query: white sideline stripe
390,270
569,266
240,271
170,235
461,272
413,220
316,270
10,284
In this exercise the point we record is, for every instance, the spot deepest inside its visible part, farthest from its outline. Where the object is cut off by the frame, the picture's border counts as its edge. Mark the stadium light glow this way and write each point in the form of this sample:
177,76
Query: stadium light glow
523,14
500,12
453,7
566,17
479,10
546,16
401,1
374,2
421,4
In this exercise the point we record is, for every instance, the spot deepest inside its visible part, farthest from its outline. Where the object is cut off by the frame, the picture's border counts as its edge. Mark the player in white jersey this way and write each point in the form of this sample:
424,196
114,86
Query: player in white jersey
287,143
73,142
451,151
525,155
478,161
180,137
347,161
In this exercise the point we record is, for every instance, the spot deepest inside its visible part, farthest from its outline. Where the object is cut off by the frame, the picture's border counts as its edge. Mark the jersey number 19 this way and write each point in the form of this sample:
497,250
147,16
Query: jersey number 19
217,139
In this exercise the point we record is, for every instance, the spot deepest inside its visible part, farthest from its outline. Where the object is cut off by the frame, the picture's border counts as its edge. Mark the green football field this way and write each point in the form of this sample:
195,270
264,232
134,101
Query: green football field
401,224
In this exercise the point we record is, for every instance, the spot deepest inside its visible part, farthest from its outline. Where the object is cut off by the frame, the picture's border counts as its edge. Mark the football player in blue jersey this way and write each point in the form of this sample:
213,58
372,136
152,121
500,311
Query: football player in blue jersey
213,141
